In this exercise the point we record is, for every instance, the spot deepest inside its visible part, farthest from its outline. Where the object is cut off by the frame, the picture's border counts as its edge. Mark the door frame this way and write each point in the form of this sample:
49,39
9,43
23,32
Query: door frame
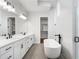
74,24
41,41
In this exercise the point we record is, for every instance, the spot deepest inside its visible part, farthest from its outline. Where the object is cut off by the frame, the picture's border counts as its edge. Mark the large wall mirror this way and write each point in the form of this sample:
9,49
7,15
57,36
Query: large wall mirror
7,25
11,25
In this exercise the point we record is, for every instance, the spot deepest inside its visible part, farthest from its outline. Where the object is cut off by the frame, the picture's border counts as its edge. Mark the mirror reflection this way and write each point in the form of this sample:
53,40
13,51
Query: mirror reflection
11,25
7,27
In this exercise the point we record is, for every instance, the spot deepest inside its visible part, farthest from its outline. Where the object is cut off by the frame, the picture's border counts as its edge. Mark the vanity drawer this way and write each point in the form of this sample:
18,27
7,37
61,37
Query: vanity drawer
6,49
8,55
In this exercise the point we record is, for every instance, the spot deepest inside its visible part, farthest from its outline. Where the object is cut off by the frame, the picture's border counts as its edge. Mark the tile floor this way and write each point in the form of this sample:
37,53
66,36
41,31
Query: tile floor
36,52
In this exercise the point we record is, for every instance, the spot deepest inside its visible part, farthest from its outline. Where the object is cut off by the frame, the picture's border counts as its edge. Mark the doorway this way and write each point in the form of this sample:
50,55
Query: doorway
44,29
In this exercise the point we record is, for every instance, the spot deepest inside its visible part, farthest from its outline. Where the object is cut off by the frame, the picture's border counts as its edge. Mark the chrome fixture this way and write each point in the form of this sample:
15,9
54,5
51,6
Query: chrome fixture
7,5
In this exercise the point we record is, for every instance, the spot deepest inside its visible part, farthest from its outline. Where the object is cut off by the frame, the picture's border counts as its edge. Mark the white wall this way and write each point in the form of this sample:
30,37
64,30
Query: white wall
34,23
65,27
20,24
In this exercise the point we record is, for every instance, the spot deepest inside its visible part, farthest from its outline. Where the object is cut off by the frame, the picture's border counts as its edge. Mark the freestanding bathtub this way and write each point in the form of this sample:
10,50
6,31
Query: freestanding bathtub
52,48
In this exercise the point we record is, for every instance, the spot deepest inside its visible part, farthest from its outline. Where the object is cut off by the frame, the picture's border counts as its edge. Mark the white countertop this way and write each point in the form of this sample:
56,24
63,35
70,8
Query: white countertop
4,42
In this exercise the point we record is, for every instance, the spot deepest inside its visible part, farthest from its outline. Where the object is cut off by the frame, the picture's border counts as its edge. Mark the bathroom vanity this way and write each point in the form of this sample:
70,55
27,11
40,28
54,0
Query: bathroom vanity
16,47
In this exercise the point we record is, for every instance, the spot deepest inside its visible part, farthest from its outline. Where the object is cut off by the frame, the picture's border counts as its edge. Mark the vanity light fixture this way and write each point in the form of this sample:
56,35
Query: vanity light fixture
3,3
7,6
11,9
22,17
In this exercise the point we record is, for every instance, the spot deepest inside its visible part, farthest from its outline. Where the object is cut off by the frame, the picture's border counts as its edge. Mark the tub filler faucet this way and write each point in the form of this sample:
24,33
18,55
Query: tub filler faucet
59,37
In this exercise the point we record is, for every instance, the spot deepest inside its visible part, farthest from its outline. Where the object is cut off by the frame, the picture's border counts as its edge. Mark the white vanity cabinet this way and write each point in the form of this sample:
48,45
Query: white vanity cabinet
22,48
26,41
31,40
26,45
8,55
6,52
17,49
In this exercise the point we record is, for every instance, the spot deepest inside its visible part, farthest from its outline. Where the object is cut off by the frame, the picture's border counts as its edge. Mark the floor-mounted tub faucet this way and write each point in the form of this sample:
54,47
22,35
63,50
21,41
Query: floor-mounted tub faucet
59,36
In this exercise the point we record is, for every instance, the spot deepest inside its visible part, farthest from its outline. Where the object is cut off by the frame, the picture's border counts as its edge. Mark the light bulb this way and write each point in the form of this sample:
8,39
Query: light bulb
23,17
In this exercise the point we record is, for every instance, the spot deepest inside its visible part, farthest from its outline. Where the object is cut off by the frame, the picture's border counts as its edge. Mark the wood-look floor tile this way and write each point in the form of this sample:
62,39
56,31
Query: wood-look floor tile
36,52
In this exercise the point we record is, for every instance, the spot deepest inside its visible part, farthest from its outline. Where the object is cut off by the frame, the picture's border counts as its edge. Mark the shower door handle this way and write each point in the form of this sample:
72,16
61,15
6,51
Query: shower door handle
76,39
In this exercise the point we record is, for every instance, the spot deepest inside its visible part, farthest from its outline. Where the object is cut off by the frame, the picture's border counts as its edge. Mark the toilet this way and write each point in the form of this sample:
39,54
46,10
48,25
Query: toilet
52,48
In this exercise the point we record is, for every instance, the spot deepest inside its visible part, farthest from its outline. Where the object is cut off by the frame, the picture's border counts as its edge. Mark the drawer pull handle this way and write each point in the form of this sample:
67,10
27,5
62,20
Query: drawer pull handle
8,48
31,38
21,45
9,57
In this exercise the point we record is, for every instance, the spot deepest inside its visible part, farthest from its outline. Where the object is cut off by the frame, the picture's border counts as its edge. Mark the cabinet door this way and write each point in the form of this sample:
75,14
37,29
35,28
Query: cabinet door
8,55
6,49
17,50
33,39
26,45
22,47
31,42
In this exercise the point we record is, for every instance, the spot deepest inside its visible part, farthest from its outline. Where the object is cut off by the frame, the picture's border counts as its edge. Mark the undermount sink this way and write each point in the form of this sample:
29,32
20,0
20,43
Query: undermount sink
17,36
2,37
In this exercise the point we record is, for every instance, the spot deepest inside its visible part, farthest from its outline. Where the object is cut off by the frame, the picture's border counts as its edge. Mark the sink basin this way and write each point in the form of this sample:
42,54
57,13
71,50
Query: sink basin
14,37
17,36
2,37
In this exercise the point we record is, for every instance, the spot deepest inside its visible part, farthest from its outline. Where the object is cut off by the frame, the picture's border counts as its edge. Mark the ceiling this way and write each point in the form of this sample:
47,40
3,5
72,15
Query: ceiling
38,5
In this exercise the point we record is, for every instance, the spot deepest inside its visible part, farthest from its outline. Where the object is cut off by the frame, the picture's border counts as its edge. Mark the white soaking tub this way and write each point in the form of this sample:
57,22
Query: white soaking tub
52,48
